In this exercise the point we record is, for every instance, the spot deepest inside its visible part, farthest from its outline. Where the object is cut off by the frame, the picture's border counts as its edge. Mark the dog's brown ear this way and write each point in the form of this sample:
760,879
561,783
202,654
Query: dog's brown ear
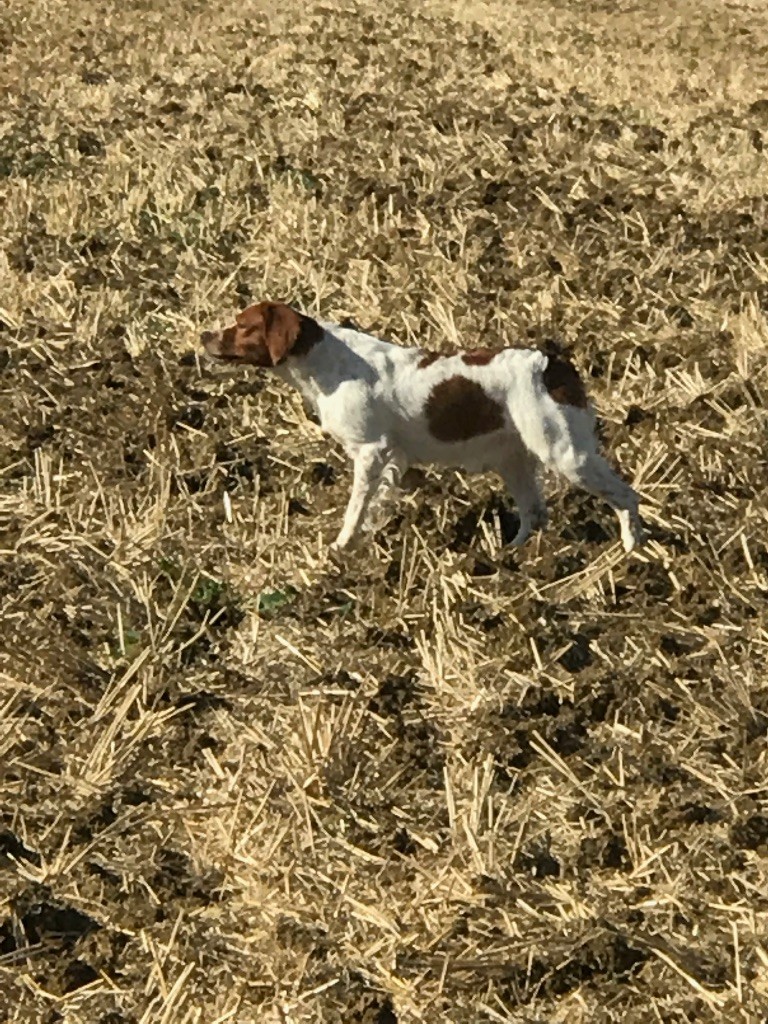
288,331
282,327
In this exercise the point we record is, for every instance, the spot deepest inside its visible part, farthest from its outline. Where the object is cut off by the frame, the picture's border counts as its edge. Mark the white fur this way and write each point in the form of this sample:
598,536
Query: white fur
371,395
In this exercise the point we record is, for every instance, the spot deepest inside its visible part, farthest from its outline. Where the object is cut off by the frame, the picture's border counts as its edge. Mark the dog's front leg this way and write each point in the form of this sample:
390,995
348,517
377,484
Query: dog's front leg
369,461
380,506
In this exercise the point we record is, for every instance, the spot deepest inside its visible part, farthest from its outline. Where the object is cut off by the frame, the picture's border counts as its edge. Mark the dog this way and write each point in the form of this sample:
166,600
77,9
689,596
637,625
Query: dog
389,407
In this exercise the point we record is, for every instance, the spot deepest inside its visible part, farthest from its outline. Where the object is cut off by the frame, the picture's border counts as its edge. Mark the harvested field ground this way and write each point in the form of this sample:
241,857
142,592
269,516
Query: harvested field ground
447,781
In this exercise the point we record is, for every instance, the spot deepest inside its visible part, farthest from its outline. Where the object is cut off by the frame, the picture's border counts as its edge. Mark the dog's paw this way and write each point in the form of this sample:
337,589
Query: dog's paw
634,540
336,551
633,535
520,538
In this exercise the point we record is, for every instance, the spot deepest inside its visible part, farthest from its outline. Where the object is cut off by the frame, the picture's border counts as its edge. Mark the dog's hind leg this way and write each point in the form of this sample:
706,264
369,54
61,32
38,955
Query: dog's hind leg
518,472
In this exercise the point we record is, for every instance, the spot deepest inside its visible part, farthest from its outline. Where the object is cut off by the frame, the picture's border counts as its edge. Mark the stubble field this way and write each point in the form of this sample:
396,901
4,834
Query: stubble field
446,781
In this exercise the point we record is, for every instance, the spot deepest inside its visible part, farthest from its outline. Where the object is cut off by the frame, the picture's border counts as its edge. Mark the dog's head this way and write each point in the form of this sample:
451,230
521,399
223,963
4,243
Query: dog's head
264,334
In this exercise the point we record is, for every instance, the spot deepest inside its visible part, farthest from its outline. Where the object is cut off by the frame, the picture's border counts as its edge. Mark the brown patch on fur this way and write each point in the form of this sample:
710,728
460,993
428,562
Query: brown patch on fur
562,381
264,335
479,356
427,359
458,408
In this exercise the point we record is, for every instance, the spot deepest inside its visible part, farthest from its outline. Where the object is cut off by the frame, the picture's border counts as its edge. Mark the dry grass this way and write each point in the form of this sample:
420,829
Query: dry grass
446,783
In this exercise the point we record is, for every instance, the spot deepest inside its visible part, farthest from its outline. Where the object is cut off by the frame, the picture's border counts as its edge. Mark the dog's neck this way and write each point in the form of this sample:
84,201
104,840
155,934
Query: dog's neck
331,362
309,368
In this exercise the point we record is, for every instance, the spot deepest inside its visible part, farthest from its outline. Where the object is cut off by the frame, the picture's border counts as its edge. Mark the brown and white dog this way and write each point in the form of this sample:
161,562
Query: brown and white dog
390,407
